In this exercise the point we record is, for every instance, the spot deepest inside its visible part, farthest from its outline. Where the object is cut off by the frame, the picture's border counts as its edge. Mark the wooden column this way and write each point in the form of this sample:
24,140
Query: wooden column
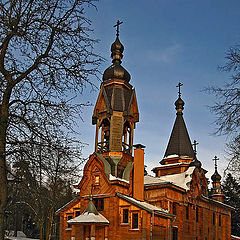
96,137
106,232
87,232
93,232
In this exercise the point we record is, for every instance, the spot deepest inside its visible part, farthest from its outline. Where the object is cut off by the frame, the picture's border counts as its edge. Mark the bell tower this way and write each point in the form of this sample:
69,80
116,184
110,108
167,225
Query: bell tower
116,112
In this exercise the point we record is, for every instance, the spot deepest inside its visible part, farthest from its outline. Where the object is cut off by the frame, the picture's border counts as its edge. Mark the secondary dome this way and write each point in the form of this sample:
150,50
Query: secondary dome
216,177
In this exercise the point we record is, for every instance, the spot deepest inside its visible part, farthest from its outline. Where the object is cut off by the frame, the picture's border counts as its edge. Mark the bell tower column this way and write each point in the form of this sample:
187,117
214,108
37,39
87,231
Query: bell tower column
116,110
116,113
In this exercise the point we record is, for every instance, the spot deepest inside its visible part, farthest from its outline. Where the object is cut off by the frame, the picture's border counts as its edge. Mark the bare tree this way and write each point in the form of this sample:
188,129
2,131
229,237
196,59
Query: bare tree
46,55
44,174
227,107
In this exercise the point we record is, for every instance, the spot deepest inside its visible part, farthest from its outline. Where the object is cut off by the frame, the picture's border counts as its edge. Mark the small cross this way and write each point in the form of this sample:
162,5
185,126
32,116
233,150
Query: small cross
215,159
195,143
179,89
117,25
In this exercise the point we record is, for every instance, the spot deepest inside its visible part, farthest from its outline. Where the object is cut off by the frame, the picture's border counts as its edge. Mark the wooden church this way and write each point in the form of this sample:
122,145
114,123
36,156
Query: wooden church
118,200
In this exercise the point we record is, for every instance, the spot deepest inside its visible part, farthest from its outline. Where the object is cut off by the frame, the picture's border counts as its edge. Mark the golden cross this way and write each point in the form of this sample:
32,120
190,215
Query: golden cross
215,159
117,25
179,89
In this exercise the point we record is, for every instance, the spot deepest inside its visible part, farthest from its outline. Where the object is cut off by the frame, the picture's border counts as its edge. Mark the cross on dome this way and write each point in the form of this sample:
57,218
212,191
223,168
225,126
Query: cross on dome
179,89
195,143
117,27
215,159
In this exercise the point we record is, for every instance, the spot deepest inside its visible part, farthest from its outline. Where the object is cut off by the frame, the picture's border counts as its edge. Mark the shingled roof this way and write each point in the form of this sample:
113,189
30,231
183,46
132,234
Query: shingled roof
179,142
119,99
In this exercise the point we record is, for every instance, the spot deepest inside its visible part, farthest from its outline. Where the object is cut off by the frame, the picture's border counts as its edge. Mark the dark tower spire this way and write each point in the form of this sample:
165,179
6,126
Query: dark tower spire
179,142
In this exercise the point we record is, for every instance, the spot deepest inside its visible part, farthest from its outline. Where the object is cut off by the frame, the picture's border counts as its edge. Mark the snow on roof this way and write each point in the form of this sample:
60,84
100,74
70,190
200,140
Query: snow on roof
89,218
142,204
150,180
171,156
172,164
175,156
235,237
111,178
180,179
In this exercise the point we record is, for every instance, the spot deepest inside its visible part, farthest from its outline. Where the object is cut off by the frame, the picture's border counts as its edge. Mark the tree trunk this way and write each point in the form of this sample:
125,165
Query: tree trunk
3,176
40,225
49,224
3,199
4,108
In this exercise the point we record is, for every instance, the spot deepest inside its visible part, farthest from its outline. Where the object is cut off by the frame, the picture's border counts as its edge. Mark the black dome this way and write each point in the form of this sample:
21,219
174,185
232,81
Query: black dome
216,177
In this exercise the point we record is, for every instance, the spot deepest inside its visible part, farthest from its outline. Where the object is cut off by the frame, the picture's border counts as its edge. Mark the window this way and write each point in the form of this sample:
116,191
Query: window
174,208
196,214
135,221
99,203
97,180
213,218
175,233
187,212
220,220
68,218
125,216
77,213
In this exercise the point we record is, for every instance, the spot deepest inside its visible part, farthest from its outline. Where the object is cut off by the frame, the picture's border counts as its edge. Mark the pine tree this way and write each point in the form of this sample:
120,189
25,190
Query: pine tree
231,189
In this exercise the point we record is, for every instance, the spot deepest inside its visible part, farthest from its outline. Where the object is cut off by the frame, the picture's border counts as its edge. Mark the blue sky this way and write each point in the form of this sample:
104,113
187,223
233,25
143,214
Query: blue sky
167,42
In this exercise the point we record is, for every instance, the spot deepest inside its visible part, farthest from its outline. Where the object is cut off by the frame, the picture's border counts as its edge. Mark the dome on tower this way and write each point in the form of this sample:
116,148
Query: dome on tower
179,104
116,70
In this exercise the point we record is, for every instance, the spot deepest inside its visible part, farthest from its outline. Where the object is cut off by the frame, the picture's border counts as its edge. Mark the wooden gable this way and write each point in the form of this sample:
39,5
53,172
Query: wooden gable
94,178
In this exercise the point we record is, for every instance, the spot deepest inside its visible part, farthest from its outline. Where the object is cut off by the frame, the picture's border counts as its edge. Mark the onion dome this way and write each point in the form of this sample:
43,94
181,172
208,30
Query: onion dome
216,177
116,70
179,105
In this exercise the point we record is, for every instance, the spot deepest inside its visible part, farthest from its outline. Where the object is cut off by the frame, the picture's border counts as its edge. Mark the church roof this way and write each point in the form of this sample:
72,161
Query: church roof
89,216
144,205
181,180
179,142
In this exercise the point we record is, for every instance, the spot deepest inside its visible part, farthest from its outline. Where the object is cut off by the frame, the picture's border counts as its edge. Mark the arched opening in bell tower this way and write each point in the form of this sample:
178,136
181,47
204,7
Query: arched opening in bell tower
127,137
104,137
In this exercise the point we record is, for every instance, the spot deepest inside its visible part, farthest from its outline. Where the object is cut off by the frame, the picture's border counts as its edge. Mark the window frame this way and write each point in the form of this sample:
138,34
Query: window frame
77,213
133,223
96,180
174,233
99,203
213,218
68,218
220,220
125,217
187,212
